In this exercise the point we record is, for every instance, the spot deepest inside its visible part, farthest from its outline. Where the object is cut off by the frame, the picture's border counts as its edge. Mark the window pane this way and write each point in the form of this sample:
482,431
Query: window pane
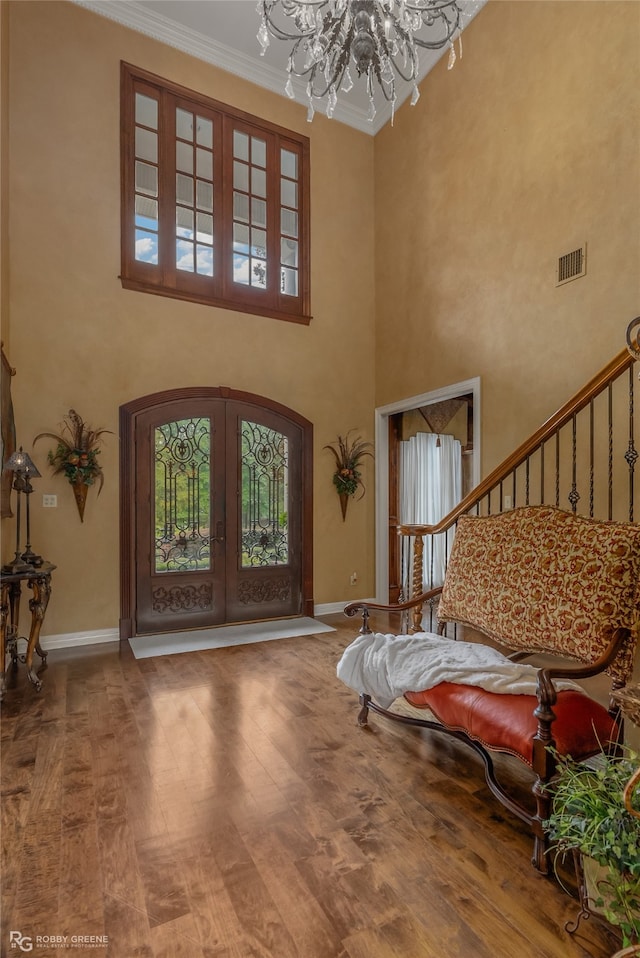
184,222
184,125
241,269
146,179
240,145
241,207
240,176
184,255
259,273
204,164
258,181
184,157
204,196
204,132
146,145
289,193
258,152
288,223
182,495
258,243
288,252
184,189
146,212
258,212
146,247
146,111
204,260
289,281
240,238
289,164
204,227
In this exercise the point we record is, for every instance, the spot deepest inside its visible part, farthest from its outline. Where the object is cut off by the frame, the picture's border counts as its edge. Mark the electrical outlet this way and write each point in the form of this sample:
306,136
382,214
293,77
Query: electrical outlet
353,578
50,502
507,502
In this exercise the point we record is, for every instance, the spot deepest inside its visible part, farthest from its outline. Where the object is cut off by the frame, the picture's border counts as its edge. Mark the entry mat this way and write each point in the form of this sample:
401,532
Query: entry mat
172,643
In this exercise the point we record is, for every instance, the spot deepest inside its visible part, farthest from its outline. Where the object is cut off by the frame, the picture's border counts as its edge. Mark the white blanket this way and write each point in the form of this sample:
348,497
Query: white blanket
386,666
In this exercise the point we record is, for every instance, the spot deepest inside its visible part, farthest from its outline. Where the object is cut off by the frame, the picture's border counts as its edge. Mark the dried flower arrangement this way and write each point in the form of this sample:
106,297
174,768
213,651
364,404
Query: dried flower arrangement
76,455
348,455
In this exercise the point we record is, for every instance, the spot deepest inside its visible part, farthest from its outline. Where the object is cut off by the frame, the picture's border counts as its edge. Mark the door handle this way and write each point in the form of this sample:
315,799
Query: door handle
219,537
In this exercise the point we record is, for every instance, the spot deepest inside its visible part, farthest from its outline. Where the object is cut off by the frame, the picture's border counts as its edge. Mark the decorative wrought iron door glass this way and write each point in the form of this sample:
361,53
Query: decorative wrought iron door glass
182,495
265,494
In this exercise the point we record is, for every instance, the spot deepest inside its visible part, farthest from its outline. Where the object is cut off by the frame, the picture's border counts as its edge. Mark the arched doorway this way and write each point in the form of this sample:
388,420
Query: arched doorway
216,510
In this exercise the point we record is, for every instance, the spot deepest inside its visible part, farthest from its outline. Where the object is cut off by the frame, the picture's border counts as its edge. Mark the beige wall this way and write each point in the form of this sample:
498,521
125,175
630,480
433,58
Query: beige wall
79,340
529,147
4,175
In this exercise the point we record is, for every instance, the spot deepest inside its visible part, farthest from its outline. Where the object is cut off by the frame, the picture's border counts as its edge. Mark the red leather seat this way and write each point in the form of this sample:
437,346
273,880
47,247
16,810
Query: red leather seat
506,723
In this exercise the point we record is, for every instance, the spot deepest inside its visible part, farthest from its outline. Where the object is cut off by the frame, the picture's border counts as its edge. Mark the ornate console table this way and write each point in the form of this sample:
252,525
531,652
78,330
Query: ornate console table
39,581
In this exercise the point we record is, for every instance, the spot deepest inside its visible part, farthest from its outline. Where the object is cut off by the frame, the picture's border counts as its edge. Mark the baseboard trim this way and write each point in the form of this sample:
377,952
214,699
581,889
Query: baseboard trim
72,640
329,608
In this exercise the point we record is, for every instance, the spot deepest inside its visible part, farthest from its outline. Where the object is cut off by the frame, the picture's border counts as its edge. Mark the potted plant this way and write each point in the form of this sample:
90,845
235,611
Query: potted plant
76,456
347,478
595,814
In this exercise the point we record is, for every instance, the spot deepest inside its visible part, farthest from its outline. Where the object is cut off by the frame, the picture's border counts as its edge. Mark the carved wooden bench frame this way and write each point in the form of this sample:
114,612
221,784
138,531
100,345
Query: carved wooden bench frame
611,649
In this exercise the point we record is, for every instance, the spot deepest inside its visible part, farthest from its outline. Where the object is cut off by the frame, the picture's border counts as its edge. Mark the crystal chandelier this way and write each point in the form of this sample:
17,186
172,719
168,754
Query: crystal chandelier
379,39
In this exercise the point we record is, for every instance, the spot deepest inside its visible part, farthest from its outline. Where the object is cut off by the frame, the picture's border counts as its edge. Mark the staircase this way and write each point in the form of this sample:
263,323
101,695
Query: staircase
582,459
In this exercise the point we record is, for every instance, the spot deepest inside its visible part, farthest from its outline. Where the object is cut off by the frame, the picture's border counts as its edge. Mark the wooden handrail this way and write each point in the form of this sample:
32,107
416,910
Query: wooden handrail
582,398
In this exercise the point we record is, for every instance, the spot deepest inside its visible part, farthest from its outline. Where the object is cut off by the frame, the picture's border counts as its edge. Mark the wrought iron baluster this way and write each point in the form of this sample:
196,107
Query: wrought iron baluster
610,473
591,458
557,467
631,454
574,495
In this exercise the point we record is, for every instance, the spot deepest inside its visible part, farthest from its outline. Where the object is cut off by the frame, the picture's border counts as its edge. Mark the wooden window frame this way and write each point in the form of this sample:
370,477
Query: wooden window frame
164,278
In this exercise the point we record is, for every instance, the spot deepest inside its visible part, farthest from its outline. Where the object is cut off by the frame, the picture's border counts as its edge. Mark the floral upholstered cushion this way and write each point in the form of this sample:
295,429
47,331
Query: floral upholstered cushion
540,578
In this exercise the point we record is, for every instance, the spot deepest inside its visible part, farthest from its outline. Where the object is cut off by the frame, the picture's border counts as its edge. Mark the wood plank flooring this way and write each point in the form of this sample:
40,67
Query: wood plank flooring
225,804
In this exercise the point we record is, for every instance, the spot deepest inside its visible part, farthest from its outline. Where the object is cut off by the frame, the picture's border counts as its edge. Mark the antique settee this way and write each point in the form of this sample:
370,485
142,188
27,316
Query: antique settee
535,580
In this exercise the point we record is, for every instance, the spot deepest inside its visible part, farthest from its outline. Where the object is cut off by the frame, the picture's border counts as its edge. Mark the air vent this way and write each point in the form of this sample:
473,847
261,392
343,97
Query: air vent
572,265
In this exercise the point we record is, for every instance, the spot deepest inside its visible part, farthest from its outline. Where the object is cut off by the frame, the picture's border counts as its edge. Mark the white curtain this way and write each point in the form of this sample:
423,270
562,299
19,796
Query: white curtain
430,487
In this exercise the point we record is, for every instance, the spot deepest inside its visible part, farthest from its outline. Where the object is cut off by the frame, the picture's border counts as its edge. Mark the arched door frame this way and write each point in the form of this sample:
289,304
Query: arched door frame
128,415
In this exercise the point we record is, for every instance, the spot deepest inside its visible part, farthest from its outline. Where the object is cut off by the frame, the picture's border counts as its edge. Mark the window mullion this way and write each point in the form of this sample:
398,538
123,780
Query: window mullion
168,190
273,220
224,227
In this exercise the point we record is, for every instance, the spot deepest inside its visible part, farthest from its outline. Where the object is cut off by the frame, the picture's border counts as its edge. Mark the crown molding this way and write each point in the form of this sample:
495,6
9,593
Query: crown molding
133,15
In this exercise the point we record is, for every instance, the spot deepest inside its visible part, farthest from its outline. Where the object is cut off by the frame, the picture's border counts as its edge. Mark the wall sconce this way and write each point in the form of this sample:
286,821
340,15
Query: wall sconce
23,468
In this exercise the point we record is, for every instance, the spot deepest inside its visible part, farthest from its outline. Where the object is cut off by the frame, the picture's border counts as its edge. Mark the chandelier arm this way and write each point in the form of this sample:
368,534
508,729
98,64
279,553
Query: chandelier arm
435,44
436,7
407,49
312,71
411,78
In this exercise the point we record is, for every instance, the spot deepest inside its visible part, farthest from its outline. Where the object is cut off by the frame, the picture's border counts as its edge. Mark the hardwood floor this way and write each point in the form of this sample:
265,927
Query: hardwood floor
225,804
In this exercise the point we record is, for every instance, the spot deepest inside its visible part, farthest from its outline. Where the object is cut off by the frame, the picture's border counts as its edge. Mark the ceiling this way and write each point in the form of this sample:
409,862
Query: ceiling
223,32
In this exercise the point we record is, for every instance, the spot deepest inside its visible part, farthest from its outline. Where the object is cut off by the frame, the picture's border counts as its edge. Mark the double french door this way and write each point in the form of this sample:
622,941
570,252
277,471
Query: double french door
216,522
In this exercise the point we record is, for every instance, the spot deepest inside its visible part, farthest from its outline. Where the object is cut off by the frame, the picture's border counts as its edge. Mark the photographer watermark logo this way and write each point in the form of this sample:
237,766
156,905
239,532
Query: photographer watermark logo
60,942
18,940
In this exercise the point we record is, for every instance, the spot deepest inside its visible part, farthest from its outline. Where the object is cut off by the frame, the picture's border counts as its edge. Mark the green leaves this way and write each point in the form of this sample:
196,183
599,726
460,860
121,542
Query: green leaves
589,815
76,450
348,456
